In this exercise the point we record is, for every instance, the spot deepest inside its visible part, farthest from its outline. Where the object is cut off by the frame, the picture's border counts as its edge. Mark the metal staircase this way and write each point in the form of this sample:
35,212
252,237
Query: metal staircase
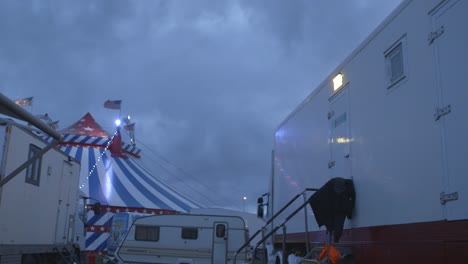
67,256
282,225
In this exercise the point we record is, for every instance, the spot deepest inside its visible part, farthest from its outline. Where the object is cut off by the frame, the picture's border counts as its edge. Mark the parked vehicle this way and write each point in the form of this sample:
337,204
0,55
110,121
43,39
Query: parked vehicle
39,198
184,239
120,225
391,118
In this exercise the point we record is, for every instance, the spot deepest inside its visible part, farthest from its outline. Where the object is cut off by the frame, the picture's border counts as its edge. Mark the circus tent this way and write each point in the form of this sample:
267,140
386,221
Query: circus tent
111,173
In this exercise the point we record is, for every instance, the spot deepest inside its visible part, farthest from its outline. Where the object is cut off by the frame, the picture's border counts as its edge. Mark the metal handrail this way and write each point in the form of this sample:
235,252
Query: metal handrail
265,237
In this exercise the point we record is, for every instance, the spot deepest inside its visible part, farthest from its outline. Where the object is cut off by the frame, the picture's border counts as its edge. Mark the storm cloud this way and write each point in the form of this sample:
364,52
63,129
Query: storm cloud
206,82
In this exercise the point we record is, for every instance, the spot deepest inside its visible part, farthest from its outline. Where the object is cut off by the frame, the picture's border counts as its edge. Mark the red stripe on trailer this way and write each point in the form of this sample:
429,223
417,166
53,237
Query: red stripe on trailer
428,242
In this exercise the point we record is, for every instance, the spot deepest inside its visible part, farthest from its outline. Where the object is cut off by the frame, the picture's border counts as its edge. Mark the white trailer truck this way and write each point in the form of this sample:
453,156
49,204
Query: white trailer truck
184,239
393,118
39,198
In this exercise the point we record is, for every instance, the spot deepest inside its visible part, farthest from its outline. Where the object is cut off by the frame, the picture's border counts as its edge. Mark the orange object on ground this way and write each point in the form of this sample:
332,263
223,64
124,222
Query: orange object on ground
334,255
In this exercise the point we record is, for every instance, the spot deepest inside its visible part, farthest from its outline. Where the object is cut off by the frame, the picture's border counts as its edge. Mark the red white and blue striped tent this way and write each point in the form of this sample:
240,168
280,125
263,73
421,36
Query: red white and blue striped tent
112,174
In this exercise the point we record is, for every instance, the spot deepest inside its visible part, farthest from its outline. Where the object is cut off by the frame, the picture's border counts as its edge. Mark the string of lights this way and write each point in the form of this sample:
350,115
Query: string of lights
83,184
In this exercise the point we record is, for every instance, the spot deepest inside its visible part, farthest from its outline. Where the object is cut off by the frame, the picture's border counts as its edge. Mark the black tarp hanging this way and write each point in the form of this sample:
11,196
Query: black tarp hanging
332,203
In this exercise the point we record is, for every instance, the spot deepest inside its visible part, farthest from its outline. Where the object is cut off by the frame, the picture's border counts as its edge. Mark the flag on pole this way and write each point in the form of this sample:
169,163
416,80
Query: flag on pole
25,101
112,104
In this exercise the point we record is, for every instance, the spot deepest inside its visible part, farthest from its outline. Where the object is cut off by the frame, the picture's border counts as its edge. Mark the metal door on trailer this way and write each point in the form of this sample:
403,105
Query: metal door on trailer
450,44
63,220
339,137
220,240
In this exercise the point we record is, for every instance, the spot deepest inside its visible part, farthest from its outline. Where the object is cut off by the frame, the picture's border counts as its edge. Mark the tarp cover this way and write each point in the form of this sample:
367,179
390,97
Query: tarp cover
332,203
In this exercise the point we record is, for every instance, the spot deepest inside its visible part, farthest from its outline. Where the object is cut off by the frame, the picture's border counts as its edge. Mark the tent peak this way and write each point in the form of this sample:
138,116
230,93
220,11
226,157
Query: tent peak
86,126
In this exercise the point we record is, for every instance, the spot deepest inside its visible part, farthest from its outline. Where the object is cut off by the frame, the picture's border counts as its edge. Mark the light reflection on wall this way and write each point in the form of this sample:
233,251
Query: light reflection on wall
289,178
109,179
342,140
279,133
294,187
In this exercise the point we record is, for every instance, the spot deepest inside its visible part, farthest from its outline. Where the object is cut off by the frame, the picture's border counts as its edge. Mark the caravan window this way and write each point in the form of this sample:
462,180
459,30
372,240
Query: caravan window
220,230
146,233
189,232
33,172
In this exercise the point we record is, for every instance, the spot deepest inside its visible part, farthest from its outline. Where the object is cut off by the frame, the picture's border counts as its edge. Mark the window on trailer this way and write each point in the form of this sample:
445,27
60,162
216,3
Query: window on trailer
33,172
147,233
395,61
189,233
220,230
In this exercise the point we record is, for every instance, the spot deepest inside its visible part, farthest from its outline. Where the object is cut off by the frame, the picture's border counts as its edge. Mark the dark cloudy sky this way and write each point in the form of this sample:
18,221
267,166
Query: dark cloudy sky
207,81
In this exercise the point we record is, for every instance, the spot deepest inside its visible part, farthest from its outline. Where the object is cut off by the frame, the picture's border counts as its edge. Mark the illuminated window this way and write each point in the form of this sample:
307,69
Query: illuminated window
395,62
337,81
146,233
33,172
189,233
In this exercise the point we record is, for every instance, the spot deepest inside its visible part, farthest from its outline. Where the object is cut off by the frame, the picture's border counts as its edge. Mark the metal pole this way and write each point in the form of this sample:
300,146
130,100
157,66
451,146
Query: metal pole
85,216
271,203
243,204
306,226
283,245
265,253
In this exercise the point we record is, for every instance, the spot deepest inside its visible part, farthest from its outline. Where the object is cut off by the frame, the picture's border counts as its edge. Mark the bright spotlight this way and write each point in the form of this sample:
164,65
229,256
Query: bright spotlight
117,122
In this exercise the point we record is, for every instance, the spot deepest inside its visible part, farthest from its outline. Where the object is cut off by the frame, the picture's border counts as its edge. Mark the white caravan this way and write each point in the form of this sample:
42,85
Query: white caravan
184,239
393,118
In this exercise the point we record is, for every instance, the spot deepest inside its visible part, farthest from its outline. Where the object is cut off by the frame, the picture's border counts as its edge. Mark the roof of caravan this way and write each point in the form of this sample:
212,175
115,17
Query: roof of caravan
117,180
